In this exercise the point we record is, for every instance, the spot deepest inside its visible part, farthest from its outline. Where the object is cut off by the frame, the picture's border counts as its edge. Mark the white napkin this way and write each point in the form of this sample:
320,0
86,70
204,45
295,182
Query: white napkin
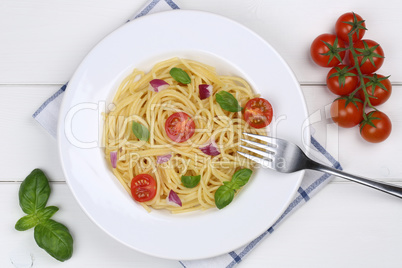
47,116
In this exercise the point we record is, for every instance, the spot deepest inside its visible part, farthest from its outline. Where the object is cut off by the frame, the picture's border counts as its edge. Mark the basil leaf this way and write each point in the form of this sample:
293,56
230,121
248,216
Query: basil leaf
241,177
55,239
26,222
140,131
190,181
46,213
227,101
34,192
180,75
223,196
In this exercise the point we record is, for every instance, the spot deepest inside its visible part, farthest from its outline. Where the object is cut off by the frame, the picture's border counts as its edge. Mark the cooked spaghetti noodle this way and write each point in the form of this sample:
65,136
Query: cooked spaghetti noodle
134,102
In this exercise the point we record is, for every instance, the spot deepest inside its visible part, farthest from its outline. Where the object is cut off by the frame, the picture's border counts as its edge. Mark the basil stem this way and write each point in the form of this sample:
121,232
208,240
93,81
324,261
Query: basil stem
227,101
180,75
190,181
140,131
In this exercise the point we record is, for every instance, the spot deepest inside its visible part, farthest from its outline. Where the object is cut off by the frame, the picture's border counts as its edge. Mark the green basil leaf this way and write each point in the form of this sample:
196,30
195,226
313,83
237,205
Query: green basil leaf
46,213
223,196
190,181
34,192
241,177
227,101
140,131
26,222
180,75
55,239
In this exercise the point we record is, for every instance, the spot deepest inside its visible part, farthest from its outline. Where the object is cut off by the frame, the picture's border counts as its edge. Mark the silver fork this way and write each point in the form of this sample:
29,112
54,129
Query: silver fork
287,157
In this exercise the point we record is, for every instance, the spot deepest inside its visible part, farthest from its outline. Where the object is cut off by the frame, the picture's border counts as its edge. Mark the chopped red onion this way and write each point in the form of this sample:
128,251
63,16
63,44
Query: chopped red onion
173,199
210,148
163,158
113,158
158,85
205,91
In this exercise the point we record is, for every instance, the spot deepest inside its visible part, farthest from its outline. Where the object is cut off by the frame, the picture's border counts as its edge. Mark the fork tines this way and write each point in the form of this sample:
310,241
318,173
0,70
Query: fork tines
269,149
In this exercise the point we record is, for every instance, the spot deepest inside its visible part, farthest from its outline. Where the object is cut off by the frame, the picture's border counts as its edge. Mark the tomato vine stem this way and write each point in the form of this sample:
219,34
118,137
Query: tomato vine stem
361,76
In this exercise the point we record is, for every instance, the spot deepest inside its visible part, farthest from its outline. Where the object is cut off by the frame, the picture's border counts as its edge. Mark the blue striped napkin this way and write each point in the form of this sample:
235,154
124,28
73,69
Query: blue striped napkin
47,116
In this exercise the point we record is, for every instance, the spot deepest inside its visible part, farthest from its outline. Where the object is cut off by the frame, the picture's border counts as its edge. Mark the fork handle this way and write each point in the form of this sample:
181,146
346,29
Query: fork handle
382,186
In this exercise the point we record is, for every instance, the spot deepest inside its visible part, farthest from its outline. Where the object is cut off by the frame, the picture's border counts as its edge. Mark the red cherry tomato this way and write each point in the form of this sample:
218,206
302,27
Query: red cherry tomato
368,51
350,22
379,131
143,187
346,116
327,50
179,127
341,80
379,89
258,112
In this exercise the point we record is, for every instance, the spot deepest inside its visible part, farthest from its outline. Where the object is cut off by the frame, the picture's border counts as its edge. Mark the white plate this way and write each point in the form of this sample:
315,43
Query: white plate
211,39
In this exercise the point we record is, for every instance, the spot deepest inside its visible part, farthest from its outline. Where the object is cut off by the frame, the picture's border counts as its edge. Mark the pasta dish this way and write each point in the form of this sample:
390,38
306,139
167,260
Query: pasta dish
173,134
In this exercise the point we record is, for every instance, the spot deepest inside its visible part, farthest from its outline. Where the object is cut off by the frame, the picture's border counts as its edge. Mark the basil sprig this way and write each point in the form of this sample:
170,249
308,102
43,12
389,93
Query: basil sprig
227,101
140,131
180,75
50,235
190,181
225,193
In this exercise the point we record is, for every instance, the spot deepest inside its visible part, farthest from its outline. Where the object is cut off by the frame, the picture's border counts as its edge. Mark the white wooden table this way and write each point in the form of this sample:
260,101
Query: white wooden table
345,225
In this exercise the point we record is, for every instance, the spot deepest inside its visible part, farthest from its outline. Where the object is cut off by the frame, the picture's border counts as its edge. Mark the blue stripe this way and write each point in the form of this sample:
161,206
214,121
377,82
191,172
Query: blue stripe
49,100
303,194
182,264
235,257
172,4
325,153
147,9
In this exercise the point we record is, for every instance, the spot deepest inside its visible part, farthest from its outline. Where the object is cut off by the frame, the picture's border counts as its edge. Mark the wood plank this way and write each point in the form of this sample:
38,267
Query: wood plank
49,39
345,225
25,144
334,225
44,42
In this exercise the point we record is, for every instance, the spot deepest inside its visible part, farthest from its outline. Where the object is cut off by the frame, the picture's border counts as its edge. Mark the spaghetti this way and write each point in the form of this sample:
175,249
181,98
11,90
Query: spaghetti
134,102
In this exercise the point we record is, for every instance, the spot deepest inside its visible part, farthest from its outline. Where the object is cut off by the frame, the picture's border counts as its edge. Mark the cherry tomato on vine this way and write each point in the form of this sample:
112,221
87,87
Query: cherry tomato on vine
350,22
327,50
346,113
143,187
179,127
370,56
258,113
342,80
376,128
378,87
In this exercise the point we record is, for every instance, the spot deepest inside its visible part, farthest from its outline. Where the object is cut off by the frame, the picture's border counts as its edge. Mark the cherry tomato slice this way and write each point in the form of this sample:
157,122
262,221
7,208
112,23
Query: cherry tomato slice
143,187
258,112
179,127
